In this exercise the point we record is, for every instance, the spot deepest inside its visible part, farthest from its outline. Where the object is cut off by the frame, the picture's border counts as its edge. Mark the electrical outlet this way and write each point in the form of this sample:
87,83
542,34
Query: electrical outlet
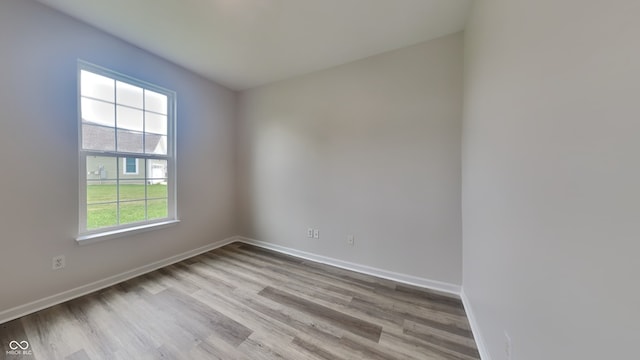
316,234
351,240
508,350
309,232
58,262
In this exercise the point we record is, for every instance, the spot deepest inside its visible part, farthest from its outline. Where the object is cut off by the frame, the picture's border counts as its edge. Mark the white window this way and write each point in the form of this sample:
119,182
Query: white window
127,147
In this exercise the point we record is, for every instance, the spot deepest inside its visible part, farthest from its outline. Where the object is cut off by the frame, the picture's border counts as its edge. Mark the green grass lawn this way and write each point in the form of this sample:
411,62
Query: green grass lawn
132,204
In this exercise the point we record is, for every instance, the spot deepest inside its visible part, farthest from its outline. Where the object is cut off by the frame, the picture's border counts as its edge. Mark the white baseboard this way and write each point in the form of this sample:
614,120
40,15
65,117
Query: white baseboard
475,329
390,275
22,310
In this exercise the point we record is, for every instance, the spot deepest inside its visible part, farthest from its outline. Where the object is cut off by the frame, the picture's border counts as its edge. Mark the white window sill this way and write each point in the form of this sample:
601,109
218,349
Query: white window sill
113,234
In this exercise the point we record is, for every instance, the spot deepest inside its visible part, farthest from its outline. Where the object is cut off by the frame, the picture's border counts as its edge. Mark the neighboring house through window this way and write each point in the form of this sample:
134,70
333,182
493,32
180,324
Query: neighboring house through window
127,147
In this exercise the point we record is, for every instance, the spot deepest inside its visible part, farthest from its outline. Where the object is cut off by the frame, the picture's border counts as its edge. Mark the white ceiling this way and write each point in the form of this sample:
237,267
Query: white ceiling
245,43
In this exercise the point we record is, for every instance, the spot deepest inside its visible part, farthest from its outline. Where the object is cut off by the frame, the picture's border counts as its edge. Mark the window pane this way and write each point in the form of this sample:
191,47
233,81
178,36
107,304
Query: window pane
97,86
157,209
157,189
157,171
155,102
131,190
132,169
155,144
101,191
98,138
101,216
98,112
129,119
133,211
129,95
129,141
101,169
155,123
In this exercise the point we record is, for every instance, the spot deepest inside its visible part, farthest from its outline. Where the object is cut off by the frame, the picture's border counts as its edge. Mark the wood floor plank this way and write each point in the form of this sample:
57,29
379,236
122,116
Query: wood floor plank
200,319
215,348
405,309
398,316
274,315
241,264
447,335
408,347
312,348
244,302
414,330
347,322
63,335
78,355
296,319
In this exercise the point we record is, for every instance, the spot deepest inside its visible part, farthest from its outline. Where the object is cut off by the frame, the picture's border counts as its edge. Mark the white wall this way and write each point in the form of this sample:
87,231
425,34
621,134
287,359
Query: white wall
551,174
38,143
370,148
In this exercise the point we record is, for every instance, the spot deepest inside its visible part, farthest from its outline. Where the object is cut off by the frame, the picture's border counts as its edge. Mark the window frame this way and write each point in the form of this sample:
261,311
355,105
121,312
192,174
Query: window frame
91,235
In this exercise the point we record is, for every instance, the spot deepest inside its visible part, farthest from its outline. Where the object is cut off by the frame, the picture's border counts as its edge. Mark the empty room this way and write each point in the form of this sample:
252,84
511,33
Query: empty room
319,179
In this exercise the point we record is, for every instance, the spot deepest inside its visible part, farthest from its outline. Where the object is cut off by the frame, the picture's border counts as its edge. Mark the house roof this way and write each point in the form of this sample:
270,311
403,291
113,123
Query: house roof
97,137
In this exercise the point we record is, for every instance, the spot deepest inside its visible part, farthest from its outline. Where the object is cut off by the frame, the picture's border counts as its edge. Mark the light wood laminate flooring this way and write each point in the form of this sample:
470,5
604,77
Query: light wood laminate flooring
245,302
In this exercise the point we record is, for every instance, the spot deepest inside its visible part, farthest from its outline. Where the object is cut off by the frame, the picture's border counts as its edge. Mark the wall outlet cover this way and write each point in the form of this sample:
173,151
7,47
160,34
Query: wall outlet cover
58,262
351,240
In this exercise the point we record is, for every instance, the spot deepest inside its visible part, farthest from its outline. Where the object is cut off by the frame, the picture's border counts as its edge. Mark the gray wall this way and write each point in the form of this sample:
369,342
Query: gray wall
38,143
551,176
370,148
